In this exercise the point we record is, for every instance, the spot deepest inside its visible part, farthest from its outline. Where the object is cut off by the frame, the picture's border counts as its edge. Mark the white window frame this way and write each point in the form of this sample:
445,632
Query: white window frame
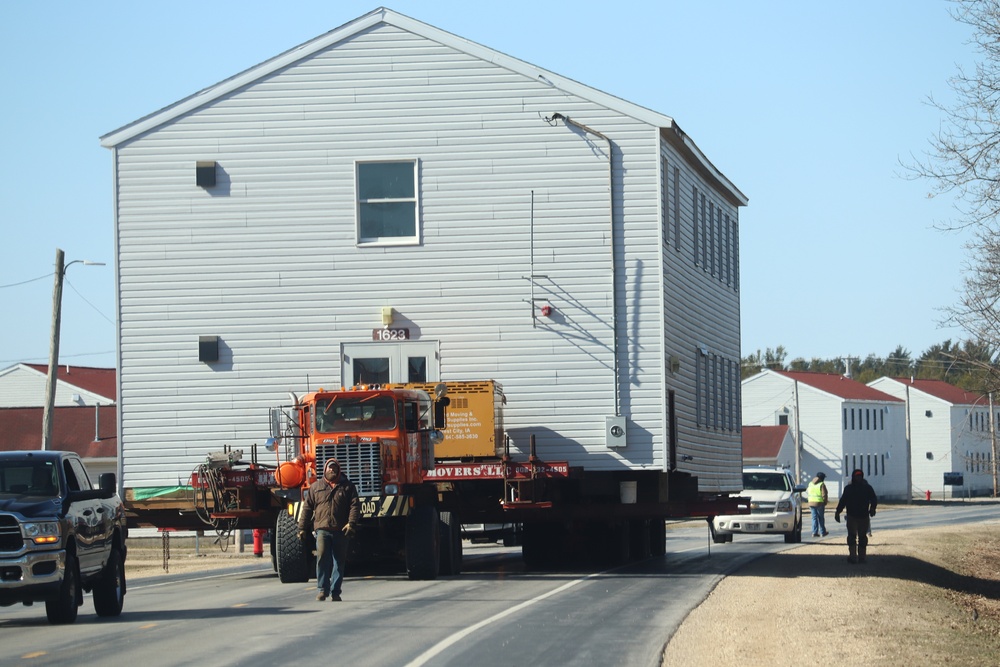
358,203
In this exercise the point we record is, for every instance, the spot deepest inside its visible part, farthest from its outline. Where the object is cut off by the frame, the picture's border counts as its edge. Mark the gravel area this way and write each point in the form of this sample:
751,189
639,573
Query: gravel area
925,597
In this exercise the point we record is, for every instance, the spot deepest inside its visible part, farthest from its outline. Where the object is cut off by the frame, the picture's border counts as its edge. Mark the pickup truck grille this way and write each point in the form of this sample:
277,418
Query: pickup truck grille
10,534
762,508
360,461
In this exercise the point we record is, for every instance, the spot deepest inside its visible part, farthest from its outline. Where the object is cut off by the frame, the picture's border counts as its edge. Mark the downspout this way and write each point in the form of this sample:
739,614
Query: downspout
614,266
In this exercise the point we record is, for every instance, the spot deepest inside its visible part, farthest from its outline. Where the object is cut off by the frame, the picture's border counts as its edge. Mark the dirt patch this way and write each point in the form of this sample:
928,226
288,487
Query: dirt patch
927,596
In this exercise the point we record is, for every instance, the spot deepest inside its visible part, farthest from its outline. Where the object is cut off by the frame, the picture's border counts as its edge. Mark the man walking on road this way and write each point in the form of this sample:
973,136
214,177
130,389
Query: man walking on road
331,508
860,501
818,498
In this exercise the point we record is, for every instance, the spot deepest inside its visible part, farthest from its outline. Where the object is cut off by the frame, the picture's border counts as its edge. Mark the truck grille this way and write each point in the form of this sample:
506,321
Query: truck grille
10,534
762,508
360,461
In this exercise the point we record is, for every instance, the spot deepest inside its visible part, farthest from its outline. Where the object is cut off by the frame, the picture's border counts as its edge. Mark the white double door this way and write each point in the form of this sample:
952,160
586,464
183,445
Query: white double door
384,362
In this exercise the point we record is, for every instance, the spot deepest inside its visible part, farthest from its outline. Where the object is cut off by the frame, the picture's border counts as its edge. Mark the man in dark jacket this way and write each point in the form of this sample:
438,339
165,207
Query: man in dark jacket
331,508
860,501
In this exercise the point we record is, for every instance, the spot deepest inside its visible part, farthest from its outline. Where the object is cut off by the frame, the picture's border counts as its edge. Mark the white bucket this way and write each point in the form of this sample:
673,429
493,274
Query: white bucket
627,490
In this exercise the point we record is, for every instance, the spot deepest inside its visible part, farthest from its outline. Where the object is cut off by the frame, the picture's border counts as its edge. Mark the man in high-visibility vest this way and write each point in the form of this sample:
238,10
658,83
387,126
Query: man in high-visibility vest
817,497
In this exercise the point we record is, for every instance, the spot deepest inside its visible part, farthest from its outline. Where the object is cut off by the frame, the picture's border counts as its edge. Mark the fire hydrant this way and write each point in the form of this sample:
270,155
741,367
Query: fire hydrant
928,492
258,542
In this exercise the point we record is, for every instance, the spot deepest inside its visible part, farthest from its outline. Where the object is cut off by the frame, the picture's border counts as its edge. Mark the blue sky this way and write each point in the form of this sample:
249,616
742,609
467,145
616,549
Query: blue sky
808,107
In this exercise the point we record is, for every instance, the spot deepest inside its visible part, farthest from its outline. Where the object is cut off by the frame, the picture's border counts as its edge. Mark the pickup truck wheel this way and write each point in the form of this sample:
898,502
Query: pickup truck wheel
422,543
62,609
109,591
795,536
292,556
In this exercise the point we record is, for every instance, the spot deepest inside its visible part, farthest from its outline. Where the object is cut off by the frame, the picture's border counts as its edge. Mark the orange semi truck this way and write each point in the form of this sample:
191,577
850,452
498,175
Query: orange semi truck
427,458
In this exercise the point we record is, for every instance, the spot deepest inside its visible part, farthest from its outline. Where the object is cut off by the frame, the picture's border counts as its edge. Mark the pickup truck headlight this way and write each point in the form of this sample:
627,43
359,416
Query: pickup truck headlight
783,506
42,532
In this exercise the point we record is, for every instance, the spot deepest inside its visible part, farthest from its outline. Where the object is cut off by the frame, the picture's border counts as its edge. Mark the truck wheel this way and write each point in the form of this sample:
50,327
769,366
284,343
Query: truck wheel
109,591
422,543
657,537
450,544
291,557
719,538
795,536
63,608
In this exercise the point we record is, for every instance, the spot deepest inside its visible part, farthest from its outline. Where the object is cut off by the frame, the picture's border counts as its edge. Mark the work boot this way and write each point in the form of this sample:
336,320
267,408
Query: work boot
336,598
862,553
853,557
321,596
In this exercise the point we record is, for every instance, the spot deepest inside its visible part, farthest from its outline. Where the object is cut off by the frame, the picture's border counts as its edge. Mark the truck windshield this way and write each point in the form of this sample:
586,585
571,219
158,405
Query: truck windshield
764,481
352,415
29,478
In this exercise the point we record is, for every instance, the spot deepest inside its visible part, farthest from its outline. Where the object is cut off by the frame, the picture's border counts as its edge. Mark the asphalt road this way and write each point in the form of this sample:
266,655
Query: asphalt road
495,613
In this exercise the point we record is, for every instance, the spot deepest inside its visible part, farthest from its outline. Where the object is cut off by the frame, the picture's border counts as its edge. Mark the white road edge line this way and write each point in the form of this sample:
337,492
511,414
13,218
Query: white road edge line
455,638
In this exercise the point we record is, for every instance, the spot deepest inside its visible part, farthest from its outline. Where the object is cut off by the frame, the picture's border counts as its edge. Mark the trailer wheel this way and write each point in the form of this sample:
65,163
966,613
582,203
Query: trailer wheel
540,544
639,546
450,544
292,555
109,591
657,537
422,543
63,608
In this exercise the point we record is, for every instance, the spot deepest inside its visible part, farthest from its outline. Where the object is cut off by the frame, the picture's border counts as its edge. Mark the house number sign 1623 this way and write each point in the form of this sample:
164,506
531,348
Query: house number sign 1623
390,334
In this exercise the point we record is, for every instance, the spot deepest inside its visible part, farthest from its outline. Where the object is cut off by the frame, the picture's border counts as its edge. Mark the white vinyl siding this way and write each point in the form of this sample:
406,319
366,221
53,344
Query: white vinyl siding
513,209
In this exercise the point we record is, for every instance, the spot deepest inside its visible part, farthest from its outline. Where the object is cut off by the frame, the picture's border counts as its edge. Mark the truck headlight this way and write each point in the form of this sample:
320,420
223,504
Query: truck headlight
784,506
42,532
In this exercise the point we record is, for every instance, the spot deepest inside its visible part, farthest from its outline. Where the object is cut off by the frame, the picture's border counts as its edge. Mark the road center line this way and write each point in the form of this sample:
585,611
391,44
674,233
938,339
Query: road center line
455,638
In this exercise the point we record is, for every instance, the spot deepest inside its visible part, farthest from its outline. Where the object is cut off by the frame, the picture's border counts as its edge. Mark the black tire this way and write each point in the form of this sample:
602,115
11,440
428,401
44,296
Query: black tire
292,556
638,530
62,609
657,537
545,546
450,544
795,536
109,590
423,543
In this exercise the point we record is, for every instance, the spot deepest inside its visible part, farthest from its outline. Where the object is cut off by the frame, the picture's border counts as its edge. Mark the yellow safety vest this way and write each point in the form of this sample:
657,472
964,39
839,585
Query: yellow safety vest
815,492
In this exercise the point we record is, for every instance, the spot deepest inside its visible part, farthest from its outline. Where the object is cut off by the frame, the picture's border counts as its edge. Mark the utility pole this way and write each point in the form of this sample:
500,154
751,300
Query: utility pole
50,382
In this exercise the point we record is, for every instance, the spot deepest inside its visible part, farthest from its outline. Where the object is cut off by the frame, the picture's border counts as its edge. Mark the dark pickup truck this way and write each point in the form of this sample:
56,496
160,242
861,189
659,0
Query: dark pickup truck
59,536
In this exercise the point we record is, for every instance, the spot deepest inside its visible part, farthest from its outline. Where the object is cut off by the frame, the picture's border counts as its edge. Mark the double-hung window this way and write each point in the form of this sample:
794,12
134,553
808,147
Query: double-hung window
387,202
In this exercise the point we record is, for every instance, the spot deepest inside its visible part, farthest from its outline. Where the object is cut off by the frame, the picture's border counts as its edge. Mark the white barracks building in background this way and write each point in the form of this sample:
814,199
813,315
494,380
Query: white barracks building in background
391,202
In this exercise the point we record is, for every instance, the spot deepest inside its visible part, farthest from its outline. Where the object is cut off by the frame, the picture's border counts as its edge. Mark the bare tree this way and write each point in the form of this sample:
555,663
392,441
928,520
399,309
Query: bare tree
964,159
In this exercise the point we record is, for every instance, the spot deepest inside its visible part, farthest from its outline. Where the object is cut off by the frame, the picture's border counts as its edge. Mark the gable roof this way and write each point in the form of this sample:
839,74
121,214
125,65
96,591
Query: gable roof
73,429
100,381
668,128
840,386
763,442
945,391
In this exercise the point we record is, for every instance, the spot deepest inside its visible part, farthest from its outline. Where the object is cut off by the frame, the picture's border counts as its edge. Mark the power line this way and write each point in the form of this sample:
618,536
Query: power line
25,282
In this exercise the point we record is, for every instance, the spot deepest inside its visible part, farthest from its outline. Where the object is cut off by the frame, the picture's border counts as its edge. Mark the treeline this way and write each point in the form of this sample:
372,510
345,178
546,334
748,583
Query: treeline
966,364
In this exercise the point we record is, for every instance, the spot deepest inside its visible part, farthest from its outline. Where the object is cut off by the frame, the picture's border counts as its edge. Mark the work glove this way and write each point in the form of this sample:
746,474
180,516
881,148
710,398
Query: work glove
349,530
836,517
871,513
302,536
